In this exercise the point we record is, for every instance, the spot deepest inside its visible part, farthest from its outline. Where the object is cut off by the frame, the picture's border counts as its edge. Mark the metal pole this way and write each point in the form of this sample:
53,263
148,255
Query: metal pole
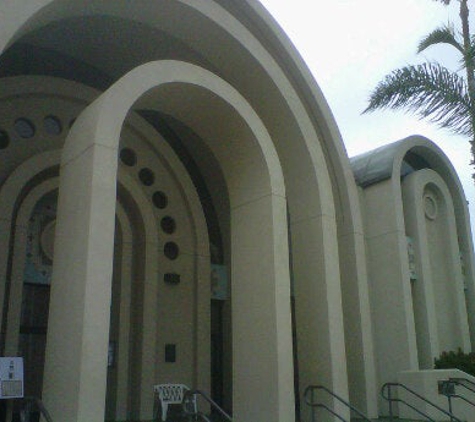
390,401
449,398
313,407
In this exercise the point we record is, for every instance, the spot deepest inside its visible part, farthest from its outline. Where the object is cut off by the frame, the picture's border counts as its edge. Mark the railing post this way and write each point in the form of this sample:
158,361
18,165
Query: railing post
449,398
314,391
390,401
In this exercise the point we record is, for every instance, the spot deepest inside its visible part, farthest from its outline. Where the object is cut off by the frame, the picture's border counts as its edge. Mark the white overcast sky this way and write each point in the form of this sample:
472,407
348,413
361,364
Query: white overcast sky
350,45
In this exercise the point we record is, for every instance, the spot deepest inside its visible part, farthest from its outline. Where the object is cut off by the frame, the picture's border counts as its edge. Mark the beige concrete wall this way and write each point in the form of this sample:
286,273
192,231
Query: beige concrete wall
414,320
426,384
438,292
291,107
390,289
240,197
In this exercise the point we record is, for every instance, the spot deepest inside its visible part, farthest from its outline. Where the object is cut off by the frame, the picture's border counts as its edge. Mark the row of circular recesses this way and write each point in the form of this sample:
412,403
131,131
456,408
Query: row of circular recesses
26,129
146,176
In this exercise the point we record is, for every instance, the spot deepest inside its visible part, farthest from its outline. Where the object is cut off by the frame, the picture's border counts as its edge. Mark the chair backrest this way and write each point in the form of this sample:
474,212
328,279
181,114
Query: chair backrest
170,393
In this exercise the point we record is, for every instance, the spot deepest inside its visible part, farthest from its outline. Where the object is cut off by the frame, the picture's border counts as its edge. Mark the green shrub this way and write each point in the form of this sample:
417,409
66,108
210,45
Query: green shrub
456,360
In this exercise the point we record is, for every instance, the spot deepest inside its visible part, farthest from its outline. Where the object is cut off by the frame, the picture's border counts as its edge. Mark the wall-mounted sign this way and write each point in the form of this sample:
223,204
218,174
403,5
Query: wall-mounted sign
11,378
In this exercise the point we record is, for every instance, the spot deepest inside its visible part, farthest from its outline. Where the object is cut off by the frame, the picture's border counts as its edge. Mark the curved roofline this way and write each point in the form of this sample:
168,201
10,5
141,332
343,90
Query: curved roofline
386,161
264,27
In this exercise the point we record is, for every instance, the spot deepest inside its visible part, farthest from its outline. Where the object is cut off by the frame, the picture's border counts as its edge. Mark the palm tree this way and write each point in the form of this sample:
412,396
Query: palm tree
431,90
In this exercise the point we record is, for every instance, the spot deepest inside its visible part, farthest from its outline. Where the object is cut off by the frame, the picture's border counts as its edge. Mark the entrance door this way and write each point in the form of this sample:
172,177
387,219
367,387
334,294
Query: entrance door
32,344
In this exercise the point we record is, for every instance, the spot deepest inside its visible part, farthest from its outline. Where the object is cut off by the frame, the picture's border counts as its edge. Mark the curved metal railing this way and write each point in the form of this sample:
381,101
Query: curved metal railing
450,393
390,398
310,399
464,383
190,411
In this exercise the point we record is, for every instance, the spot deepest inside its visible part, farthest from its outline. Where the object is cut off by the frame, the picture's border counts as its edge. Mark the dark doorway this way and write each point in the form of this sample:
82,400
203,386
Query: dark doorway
32,342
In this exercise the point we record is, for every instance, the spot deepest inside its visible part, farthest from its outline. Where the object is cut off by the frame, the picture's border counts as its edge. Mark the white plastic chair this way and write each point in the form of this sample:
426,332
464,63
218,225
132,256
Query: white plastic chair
171,394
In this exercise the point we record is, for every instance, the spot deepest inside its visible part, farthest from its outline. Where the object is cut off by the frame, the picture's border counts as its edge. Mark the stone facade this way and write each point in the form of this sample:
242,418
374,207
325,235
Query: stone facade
177,206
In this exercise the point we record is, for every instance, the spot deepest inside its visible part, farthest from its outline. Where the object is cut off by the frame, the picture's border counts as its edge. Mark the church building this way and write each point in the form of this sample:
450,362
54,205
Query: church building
177,206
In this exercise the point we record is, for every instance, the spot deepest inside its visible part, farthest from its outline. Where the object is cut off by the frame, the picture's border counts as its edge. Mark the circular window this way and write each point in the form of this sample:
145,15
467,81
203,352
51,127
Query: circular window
171,250
168,224
146,176
52,125
4,139
160,200
128,157
430,206
24,128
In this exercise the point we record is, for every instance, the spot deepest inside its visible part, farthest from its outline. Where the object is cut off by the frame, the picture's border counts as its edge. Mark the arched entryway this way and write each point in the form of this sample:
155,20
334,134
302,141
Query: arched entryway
262,351
171,211
241,44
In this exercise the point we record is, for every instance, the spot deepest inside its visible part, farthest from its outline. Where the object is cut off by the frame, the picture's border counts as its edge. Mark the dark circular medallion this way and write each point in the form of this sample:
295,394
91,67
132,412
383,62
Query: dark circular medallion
171,250
24,128
146,176
52,125
128,157
160,200
168,225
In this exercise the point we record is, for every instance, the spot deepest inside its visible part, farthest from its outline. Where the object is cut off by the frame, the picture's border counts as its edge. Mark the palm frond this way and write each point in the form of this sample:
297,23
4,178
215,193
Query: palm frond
442,35
431,91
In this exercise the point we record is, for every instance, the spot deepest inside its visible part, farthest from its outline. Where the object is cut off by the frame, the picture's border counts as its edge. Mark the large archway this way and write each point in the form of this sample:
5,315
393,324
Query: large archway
262,354
144,265
241,44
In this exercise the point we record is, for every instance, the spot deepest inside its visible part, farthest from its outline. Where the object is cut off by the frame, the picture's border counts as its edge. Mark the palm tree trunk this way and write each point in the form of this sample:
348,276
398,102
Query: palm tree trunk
469,67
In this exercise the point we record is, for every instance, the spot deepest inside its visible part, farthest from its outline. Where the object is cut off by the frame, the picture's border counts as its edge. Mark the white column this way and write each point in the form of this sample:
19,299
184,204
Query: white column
262,341
149,330
122,401
318,310
78,330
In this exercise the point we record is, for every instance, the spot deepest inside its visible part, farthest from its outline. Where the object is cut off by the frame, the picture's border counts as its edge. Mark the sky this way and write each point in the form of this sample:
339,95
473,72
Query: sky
350,45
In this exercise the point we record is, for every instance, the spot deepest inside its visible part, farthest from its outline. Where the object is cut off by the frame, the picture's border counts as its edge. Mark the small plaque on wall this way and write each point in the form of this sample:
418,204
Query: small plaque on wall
170,353
171,278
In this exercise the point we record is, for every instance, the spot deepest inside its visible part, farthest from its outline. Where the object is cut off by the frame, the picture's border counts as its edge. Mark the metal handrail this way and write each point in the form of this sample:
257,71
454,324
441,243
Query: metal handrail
451,394
465,383
39,404
189,396
310,397
390,399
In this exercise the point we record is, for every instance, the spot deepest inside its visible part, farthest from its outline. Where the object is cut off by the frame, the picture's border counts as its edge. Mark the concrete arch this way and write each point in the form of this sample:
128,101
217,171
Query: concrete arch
17,186
439,288
18,262
380,174
9,192
235,41
441,164
89,165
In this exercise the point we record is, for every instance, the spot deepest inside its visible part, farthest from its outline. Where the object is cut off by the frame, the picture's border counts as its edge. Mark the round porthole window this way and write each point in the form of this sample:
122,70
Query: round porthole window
128,157
171,250
24,128
160,200
168,225
146,176
430,206
52,125
4,139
